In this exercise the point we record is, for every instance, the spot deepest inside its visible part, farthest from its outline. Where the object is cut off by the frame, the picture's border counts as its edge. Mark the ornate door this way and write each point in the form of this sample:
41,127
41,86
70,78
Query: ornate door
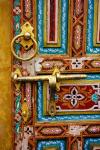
55,74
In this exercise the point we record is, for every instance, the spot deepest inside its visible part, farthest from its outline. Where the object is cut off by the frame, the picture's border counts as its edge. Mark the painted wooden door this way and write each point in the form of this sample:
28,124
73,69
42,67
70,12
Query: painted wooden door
64,114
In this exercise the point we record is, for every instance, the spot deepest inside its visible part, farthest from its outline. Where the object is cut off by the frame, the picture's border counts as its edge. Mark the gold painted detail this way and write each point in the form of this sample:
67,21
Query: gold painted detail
26,40
16,73
25,111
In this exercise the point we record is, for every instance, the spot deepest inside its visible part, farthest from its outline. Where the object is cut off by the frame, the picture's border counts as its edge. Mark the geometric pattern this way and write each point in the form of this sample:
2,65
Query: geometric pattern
42,115
63,130
73,97
54,144
51,26
45,29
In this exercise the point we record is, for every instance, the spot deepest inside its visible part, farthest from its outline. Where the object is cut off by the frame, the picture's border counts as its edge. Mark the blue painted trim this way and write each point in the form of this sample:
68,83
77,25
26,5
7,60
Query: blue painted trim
90,27
93,76
89,141
17,26
59,143
64,29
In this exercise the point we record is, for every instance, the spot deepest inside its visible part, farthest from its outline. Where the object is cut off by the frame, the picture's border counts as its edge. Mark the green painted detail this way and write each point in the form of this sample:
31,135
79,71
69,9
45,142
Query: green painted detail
17,128
18,104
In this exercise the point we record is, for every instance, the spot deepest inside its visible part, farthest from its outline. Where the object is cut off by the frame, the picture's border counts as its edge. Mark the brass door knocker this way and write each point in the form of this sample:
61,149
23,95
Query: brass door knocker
26,40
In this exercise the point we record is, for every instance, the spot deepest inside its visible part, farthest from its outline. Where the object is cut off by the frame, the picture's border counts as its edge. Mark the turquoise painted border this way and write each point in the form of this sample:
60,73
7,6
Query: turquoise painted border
17,27
64,29
76,117
89,141
17,24
94,76
90,49
59,143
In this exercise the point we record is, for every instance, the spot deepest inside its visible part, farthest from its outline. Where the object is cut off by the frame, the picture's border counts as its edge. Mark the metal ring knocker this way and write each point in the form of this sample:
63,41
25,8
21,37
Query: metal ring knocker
27,41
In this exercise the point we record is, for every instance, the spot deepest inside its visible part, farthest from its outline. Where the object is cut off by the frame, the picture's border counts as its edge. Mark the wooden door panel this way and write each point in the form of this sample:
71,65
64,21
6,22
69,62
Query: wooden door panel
64,33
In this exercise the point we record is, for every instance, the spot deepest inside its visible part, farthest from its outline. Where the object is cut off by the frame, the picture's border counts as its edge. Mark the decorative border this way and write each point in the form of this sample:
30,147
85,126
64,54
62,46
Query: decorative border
64,18
57,28
67,65
95,23
17,89
44,145
90,47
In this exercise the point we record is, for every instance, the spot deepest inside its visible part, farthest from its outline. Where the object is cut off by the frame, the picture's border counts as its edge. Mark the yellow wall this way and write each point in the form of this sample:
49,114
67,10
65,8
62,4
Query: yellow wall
5,73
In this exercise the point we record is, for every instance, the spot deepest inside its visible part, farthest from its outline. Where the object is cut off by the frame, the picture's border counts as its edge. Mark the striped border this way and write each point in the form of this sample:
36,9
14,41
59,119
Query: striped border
57,41
60,144
61,47
96,42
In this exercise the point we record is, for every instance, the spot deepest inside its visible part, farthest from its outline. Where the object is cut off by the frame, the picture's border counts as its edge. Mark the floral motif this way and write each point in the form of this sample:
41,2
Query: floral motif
74,97
77,63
